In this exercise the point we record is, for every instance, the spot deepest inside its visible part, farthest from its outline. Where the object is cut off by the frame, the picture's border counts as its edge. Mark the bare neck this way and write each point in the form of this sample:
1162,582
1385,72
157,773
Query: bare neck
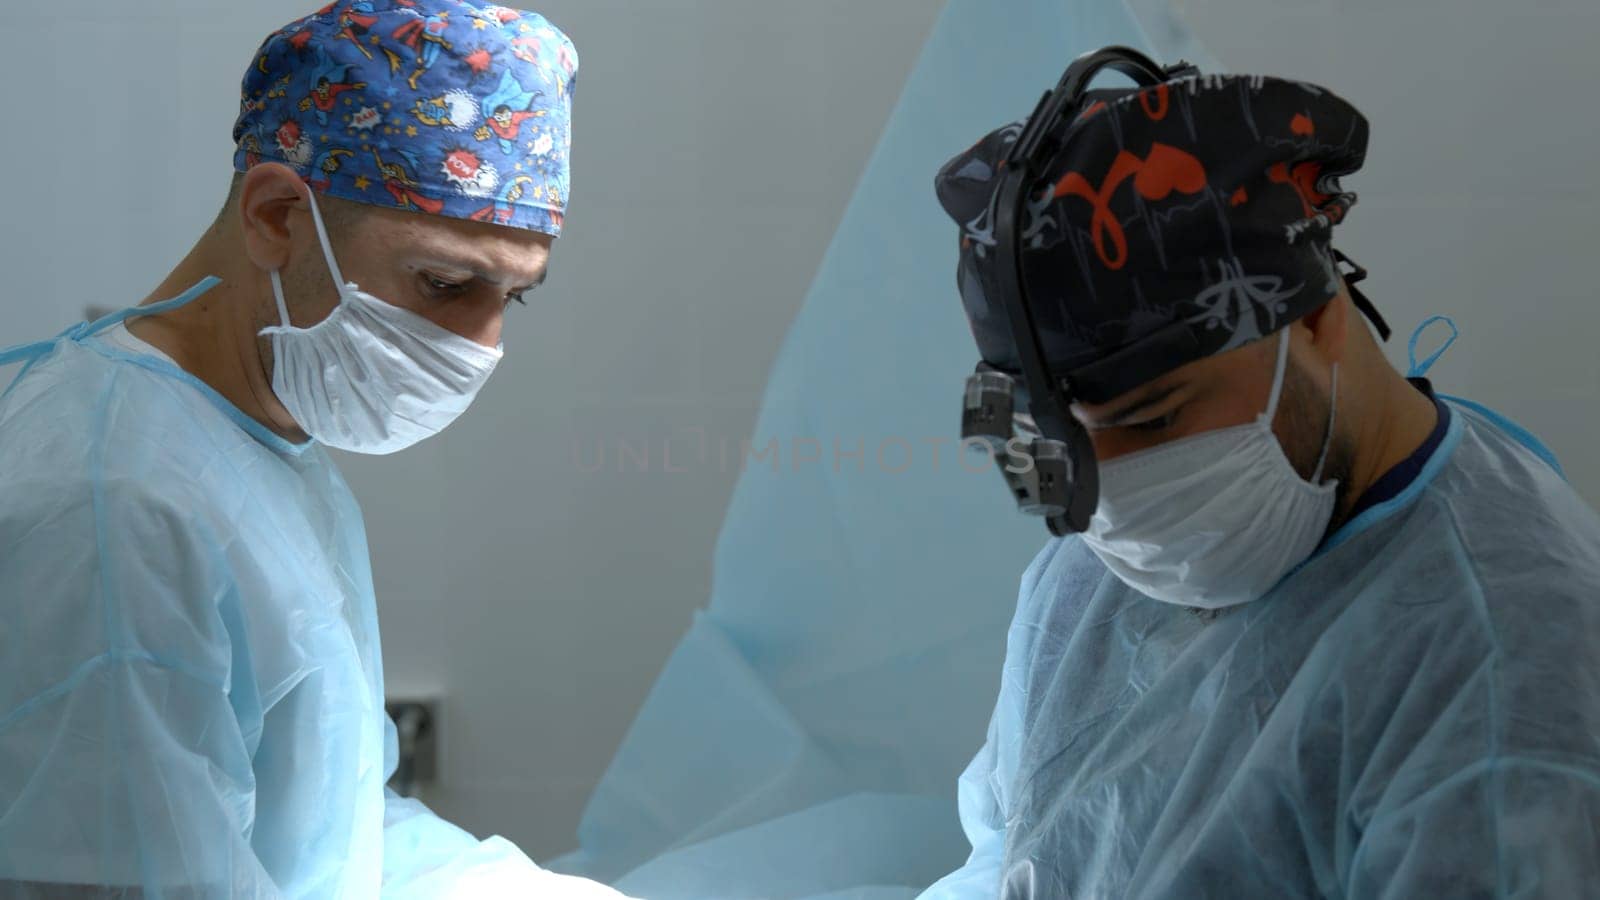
1391,420
213,338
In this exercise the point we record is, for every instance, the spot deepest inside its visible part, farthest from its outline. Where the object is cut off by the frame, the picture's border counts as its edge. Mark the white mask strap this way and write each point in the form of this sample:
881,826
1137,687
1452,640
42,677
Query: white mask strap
277,294
327,254
1277,391
1277,376
1327,442
327,246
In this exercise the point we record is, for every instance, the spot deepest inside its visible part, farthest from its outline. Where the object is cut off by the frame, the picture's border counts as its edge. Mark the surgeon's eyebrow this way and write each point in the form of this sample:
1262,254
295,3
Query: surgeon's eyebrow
1130,411
543,274
477,269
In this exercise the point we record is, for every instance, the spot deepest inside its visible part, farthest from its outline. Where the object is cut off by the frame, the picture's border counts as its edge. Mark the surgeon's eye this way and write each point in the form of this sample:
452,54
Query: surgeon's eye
441,287
516,298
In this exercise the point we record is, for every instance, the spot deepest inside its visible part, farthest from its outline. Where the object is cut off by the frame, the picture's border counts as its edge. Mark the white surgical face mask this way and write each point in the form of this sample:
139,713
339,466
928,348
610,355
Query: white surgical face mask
372,377
1214,519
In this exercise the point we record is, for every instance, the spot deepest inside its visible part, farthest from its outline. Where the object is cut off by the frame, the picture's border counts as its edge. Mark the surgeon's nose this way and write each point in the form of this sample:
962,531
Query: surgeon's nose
479,320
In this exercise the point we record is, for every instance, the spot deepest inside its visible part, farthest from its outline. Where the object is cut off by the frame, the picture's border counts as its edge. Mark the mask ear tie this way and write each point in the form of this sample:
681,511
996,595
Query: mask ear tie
1277,375
327,245
1327,442
277,294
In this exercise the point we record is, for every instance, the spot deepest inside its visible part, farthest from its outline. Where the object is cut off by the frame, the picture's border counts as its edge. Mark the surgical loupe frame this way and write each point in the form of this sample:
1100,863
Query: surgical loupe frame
1062,481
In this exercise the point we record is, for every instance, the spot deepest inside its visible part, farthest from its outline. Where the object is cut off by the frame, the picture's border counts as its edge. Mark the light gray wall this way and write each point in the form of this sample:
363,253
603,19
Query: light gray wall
716,143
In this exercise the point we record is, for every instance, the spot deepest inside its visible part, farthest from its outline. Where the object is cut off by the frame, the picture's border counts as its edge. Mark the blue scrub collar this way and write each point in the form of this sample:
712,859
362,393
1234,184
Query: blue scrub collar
33,352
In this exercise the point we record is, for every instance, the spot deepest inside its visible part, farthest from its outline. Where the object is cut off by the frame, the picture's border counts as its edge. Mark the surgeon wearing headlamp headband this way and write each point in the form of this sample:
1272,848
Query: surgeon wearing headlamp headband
1092,321
1364,703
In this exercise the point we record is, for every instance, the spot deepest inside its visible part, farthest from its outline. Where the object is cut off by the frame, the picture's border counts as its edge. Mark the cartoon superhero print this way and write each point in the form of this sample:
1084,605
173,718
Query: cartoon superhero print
526,48
322,171
250,143
504,207
328,81
354,22
400,183
291,144
564,55
425,36
364,120
497,15
457,113
454,109
508,108
298,34
470,173
528,45
280,88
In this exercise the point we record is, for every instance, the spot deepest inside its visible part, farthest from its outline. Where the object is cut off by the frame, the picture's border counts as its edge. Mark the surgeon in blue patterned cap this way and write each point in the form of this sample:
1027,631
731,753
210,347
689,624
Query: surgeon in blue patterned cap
199,710
438,107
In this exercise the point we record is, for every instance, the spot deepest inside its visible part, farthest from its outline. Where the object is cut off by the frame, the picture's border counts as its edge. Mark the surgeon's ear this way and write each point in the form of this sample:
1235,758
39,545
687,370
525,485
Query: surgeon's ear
1329,328
267,194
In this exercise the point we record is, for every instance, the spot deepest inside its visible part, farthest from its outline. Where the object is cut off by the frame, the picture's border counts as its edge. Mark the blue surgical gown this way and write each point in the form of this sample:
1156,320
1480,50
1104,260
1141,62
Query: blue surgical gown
191,695
1415,712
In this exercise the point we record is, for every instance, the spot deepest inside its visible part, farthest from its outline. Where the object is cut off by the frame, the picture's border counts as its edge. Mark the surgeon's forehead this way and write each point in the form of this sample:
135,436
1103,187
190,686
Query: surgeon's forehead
494,252
1130,406
1151,397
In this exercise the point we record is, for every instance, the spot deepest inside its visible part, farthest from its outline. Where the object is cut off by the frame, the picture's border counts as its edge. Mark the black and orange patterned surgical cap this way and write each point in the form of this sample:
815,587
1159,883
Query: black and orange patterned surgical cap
1207,199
